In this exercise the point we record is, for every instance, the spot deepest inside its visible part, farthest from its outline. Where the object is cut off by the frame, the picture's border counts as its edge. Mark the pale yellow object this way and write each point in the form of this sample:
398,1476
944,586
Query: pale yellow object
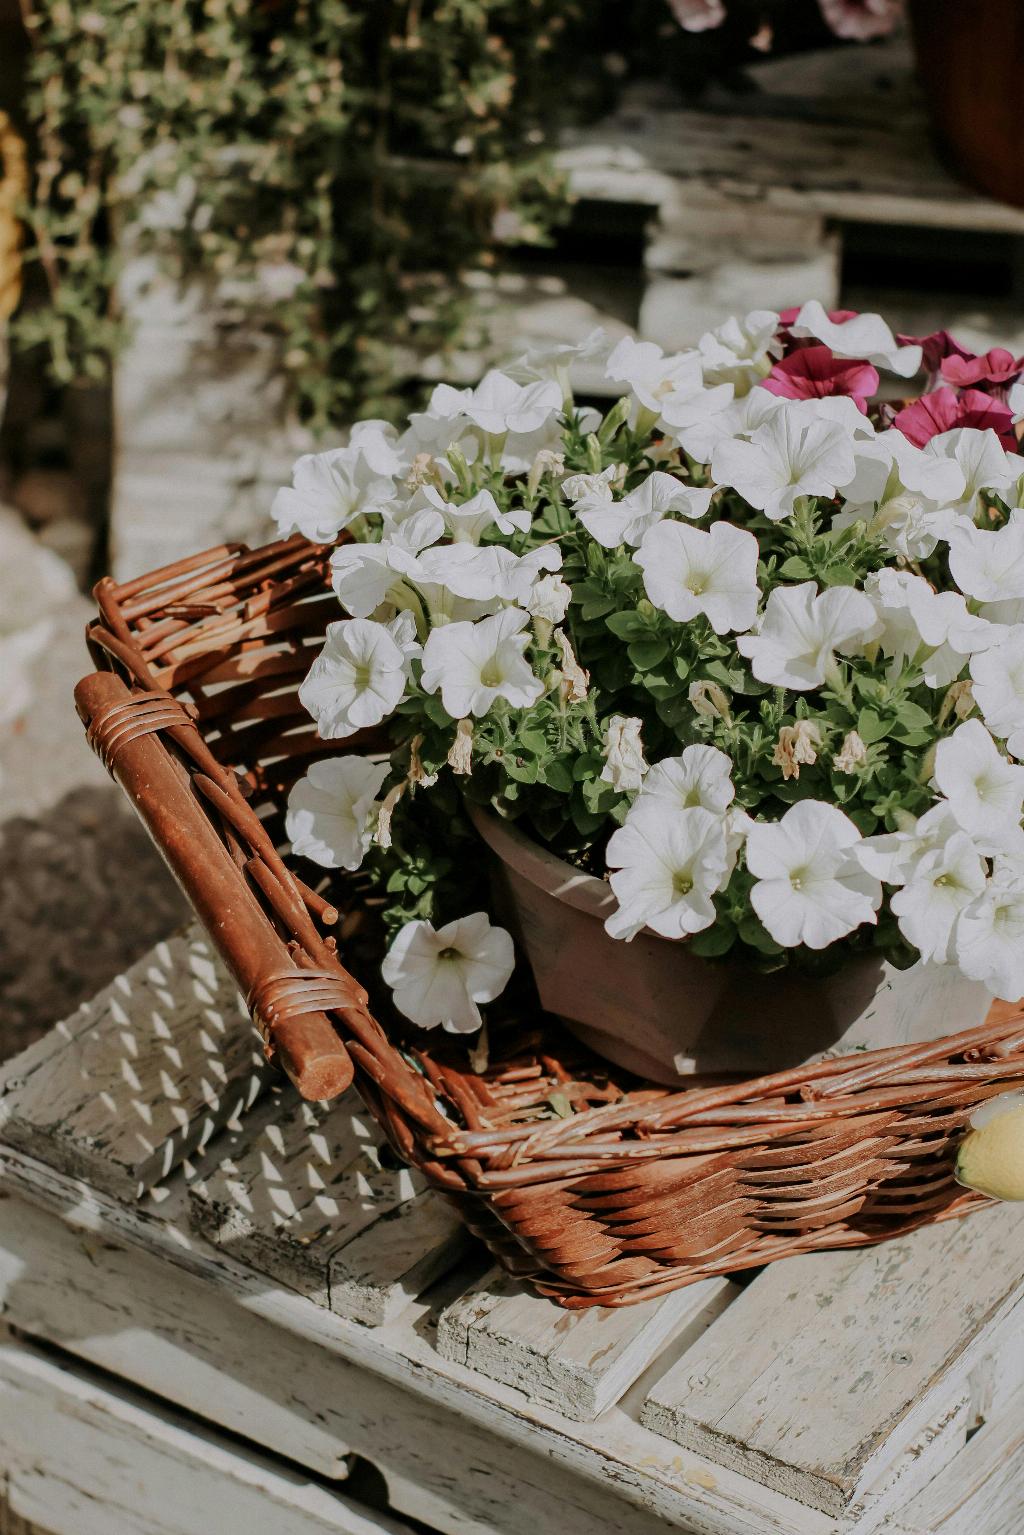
991,1155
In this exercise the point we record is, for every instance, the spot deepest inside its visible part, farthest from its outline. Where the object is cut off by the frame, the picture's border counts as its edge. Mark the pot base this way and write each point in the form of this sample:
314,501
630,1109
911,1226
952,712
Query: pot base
656,1009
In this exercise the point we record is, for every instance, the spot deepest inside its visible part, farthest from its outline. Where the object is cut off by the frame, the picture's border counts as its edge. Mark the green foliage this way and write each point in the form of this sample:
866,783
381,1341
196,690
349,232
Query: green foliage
361,150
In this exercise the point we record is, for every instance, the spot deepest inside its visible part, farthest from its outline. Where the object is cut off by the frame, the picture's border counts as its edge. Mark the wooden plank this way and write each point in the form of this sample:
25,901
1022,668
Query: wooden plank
88,1457
301,1193
139,1077
577,1362
463,1454
935,1448
121,1310
828,1365
981,1492
818,159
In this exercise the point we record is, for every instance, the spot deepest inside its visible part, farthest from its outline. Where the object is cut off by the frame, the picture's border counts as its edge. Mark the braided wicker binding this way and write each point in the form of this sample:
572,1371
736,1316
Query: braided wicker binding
627,1191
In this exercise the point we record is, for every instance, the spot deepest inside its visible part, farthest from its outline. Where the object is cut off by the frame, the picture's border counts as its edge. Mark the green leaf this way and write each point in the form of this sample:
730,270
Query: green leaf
796,568
871,727
558,776
629,626
436,711
646,654
715,940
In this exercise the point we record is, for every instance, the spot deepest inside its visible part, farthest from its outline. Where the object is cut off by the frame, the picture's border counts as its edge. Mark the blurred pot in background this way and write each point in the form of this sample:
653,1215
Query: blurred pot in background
971,60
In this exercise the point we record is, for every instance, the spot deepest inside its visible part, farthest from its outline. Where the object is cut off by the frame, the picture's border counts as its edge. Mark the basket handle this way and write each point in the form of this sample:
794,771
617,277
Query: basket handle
284,1000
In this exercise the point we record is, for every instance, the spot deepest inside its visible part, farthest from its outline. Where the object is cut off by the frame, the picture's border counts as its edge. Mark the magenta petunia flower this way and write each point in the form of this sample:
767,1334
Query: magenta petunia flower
861,20
812,372
995,367
936,348
944,409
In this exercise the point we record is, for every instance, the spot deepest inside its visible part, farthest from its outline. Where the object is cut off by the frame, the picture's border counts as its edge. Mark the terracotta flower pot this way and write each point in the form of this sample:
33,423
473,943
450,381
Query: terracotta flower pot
971,61
657,1009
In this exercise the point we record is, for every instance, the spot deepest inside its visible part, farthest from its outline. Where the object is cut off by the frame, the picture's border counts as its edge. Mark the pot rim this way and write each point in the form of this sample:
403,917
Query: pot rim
545,869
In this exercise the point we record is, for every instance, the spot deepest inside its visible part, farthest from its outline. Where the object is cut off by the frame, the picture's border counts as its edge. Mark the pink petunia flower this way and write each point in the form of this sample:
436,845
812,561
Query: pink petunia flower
812,372
944,409
698,15
935,348
995,367
861,19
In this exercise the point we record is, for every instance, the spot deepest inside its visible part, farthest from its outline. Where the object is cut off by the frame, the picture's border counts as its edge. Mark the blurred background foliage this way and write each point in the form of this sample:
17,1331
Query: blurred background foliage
334,165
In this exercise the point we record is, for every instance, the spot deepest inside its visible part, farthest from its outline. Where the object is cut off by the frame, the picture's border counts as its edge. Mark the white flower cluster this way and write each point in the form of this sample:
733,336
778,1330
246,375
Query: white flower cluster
456,593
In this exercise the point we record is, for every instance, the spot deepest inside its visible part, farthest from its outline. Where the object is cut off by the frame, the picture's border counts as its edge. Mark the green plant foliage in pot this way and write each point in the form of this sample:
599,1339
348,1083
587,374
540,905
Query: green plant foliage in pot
730,677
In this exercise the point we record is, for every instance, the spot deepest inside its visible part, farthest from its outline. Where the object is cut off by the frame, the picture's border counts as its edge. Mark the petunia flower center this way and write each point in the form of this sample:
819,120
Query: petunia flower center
797,877
696,582
490,673
682,883
449,954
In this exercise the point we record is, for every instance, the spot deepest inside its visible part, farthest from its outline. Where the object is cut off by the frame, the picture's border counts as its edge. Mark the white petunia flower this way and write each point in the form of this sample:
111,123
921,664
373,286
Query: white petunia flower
799,630
688,571
895,857
933,629
985,792
988,564
864,336
666,866
612,523
1015,400
942,884
998,688
902,494
357,680
474,664
549,599
444,424
330,489
365,575
988,941
553,359
810,887
330,814
481,574
439,976
701,776
982,459
498,404
582,490
651,375
787,457
624,765
469,521
741,352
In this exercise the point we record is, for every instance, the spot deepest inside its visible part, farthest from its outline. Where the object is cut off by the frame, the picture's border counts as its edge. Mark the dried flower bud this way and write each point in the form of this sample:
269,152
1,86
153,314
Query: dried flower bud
460,758
575,680
382,836
709,700
958,700
796,747
851,754
416,773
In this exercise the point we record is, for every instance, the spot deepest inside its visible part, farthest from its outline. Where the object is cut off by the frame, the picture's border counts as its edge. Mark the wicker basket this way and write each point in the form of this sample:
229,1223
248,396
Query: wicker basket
600,1189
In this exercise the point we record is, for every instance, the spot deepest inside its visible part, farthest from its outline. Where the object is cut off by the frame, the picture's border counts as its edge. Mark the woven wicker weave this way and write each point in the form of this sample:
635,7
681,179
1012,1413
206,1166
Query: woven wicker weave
600,1189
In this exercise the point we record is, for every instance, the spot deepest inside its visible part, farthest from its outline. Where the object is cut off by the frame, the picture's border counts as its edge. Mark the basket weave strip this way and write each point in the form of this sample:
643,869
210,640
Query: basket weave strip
599,1188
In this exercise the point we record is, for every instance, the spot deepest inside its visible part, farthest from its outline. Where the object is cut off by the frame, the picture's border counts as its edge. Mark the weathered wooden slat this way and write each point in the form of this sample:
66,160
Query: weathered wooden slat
88,1457
462,1454
301,1193
139,1077
981,1492
830,1364
577,1362
935,1448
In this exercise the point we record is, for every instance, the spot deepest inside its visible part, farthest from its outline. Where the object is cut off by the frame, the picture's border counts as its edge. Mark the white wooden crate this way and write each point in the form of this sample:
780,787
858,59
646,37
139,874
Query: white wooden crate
744,201
292,1290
